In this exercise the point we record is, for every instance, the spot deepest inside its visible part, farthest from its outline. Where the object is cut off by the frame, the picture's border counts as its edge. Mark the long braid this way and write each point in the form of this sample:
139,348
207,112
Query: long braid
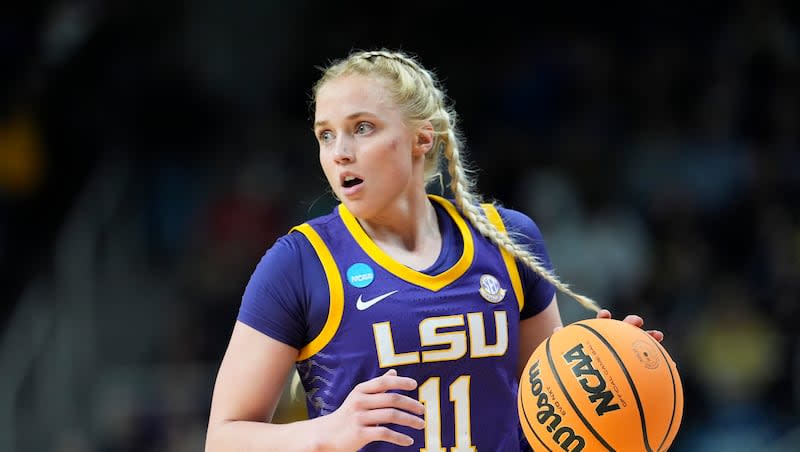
468,202
417,91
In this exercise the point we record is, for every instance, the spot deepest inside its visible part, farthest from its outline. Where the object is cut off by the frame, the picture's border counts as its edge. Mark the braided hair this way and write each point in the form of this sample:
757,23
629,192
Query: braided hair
419,94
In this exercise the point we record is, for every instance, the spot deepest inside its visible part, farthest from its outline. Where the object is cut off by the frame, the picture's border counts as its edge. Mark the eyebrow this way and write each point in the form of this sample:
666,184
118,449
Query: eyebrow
349,117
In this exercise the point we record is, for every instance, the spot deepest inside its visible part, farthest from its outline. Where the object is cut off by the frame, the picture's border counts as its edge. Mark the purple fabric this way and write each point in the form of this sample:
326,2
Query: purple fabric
287,295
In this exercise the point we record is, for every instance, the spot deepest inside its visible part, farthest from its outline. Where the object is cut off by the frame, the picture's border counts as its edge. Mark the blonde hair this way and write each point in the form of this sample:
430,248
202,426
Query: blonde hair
419,94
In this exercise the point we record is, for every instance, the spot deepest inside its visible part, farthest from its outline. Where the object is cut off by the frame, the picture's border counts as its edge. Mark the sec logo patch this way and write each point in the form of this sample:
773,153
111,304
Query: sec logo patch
490,289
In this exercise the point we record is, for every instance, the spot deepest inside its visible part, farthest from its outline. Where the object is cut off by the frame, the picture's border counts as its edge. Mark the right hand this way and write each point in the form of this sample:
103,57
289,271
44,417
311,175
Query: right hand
366,412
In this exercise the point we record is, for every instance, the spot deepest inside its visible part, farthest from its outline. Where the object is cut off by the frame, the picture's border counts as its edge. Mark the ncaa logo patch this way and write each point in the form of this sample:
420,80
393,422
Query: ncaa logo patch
360,275
491,290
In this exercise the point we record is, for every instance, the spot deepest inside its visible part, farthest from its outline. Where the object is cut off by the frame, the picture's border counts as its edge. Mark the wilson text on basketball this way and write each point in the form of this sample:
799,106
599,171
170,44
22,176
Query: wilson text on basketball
563,435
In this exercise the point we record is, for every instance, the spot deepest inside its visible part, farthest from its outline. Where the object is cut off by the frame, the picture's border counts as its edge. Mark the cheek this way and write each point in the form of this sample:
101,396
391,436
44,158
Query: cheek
326,164
400,153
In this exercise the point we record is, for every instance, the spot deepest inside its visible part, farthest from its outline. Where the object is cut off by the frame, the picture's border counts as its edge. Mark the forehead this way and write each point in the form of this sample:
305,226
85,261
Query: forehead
344,95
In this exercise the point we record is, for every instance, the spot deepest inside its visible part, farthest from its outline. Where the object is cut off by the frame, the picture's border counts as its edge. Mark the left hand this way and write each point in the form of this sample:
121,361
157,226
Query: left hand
634,320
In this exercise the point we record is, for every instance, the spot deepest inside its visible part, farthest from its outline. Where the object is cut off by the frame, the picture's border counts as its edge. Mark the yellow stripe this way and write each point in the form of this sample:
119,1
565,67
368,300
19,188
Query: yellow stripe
335,289
433,283
494,217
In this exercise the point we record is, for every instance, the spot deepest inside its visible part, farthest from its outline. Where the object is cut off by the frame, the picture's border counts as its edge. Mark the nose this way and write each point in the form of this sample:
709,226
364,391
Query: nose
342,151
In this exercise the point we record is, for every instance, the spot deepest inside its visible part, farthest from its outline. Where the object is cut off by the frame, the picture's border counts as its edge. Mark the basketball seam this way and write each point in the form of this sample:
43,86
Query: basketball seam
674,393
525,414
630,382
572,402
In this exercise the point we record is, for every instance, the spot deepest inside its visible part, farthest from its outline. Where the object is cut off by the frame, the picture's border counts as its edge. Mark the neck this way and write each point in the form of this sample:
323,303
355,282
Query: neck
407,224
409,232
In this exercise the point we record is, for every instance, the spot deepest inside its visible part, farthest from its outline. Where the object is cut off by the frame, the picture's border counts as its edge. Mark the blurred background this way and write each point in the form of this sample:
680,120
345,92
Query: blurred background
150,152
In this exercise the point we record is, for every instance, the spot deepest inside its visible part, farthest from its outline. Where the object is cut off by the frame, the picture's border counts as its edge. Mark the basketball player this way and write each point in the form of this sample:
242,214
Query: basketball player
408,316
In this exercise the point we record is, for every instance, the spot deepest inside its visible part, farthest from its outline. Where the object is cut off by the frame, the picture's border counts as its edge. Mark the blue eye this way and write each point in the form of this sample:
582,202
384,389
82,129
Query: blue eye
325,136
363,127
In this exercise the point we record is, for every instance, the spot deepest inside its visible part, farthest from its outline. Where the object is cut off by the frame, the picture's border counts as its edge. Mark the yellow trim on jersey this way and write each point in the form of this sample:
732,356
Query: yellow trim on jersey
511,264
336,303
433,283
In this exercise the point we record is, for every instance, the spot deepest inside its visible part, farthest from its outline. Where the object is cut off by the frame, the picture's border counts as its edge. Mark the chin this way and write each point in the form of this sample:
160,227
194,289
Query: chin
360,208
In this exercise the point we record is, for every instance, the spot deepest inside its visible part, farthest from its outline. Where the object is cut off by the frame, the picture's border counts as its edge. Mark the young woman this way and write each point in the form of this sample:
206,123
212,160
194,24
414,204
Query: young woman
408,316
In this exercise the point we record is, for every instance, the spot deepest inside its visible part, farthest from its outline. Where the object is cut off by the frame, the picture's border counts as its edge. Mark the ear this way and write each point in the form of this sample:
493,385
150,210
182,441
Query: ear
423,139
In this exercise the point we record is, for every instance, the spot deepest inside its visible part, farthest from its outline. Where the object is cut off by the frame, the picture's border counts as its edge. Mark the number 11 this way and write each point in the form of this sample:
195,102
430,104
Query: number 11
459,394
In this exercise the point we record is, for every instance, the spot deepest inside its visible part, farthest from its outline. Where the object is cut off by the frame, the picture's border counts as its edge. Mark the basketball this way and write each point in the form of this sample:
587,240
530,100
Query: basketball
598,385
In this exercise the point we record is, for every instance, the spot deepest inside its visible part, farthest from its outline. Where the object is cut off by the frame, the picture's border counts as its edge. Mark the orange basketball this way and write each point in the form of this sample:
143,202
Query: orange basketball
600,385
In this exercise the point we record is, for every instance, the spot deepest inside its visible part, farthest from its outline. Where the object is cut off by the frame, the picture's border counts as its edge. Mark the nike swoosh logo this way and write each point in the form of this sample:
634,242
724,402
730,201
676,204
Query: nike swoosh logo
364,304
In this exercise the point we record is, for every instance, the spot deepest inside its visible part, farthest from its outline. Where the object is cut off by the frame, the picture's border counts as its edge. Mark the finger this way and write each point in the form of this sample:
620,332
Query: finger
657,335
387,382
634,320
604,314
390,416
381,433
393,400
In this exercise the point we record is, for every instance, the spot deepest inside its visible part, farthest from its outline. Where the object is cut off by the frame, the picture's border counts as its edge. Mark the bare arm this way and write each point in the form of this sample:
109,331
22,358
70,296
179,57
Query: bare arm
533,331
248,389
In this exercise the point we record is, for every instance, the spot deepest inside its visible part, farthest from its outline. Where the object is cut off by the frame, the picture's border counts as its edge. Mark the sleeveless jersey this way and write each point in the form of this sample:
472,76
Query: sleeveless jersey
455,333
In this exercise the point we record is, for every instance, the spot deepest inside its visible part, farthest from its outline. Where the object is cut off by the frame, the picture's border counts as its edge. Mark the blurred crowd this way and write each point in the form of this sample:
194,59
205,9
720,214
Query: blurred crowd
659,155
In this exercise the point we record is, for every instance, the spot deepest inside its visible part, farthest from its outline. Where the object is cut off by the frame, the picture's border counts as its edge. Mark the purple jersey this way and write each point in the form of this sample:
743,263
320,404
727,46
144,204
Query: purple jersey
287,297
455,332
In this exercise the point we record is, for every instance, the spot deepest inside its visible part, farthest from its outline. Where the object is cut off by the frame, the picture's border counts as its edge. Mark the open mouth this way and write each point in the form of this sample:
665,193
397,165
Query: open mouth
351,182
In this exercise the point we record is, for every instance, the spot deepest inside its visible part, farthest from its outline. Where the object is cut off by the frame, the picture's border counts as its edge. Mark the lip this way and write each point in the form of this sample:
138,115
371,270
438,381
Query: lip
350,191
345,174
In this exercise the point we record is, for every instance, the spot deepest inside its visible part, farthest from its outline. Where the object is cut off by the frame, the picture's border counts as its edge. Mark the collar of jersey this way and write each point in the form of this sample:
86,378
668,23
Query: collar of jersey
432,282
